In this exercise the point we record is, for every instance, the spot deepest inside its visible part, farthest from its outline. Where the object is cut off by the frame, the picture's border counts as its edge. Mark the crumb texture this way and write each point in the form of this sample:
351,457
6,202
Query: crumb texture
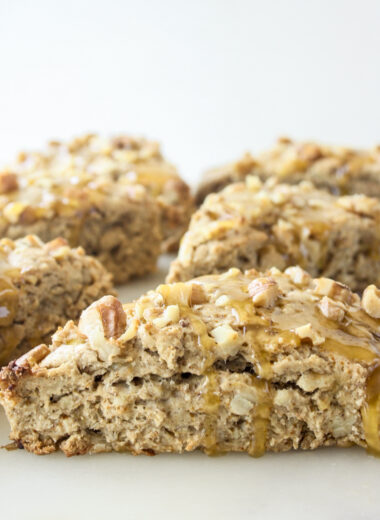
117,198
41,287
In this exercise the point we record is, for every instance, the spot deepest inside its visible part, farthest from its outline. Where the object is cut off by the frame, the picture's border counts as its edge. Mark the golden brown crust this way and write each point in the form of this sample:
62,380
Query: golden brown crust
67,177
255,225
340,170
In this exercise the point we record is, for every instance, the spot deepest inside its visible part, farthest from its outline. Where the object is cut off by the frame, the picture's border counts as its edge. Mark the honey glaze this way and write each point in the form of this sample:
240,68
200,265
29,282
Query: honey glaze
261,416
355,338
210,406
371,412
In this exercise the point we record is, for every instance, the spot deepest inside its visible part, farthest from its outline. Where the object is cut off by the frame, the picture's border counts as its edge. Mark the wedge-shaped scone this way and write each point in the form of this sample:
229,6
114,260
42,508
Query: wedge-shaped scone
339,170
248,225
117,223
124,160
41,287
232,362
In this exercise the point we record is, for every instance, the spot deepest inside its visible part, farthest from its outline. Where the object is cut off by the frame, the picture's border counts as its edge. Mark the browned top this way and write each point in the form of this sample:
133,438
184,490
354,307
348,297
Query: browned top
68,176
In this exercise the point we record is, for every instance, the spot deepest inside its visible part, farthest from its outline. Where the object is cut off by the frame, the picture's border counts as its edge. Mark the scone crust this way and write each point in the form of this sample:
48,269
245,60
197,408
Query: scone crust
42,285
90,161
337,169
255,225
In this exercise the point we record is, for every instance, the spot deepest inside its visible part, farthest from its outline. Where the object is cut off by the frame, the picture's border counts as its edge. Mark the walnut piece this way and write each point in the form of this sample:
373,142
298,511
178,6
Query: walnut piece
335,290
307,331
113,317
170,315
264,292
371,301
331,309
8,182
298,275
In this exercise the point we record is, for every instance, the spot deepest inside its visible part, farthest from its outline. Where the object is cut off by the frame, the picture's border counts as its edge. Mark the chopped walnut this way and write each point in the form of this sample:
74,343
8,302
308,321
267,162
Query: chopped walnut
264,292
198,294
226,338
308,332
8,182
113,317
359,204
310,381
310,152
331,309
253,183
371,301
170,315
240,405
101,322
298,275
335,290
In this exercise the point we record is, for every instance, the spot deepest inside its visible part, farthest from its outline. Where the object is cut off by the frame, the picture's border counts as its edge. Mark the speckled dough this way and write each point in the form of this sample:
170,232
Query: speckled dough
250,225
339,170
41,287
118,198
233,362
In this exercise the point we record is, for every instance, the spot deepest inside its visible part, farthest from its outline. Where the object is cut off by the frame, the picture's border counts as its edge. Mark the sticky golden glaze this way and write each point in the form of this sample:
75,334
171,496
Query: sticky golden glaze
264,329
353,339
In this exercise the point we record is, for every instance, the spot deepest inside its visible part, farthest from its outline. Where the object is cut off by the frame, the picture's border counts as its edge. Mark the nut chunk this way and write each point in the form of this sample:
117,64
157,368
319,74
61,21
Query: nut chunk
284,226
177,370
41,287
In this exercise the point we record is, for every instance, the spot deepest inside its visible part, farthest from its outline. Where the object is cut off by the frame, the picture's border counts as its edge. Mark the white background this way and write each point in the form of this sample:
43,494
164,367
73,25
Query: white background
209,79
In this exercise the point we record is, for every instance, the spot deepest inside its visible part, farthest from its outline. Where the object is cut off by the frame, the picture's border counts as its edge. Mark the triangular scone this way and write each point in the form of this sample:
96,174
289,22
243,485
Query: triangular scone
254,225
234,362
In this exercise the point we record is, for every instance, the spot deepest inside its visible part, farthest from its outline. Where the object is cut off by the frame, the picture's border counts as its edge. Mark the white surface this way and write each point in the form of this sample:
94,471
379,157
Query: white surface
331,484
210,79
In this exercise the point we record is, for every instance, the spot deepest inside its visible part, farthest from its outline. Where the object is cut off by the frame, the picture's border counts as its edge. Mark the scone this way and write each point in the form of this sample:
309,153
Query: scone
339,170
117,223
233,362
122,159
250,225
41,287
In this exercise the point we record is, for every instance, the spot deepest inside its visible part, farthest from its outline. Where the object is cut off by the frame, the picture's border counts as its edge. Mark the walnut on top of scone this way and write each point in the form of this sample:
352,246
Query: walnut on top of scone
232,362
42,286
255,225
337,169
118,223
125,160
